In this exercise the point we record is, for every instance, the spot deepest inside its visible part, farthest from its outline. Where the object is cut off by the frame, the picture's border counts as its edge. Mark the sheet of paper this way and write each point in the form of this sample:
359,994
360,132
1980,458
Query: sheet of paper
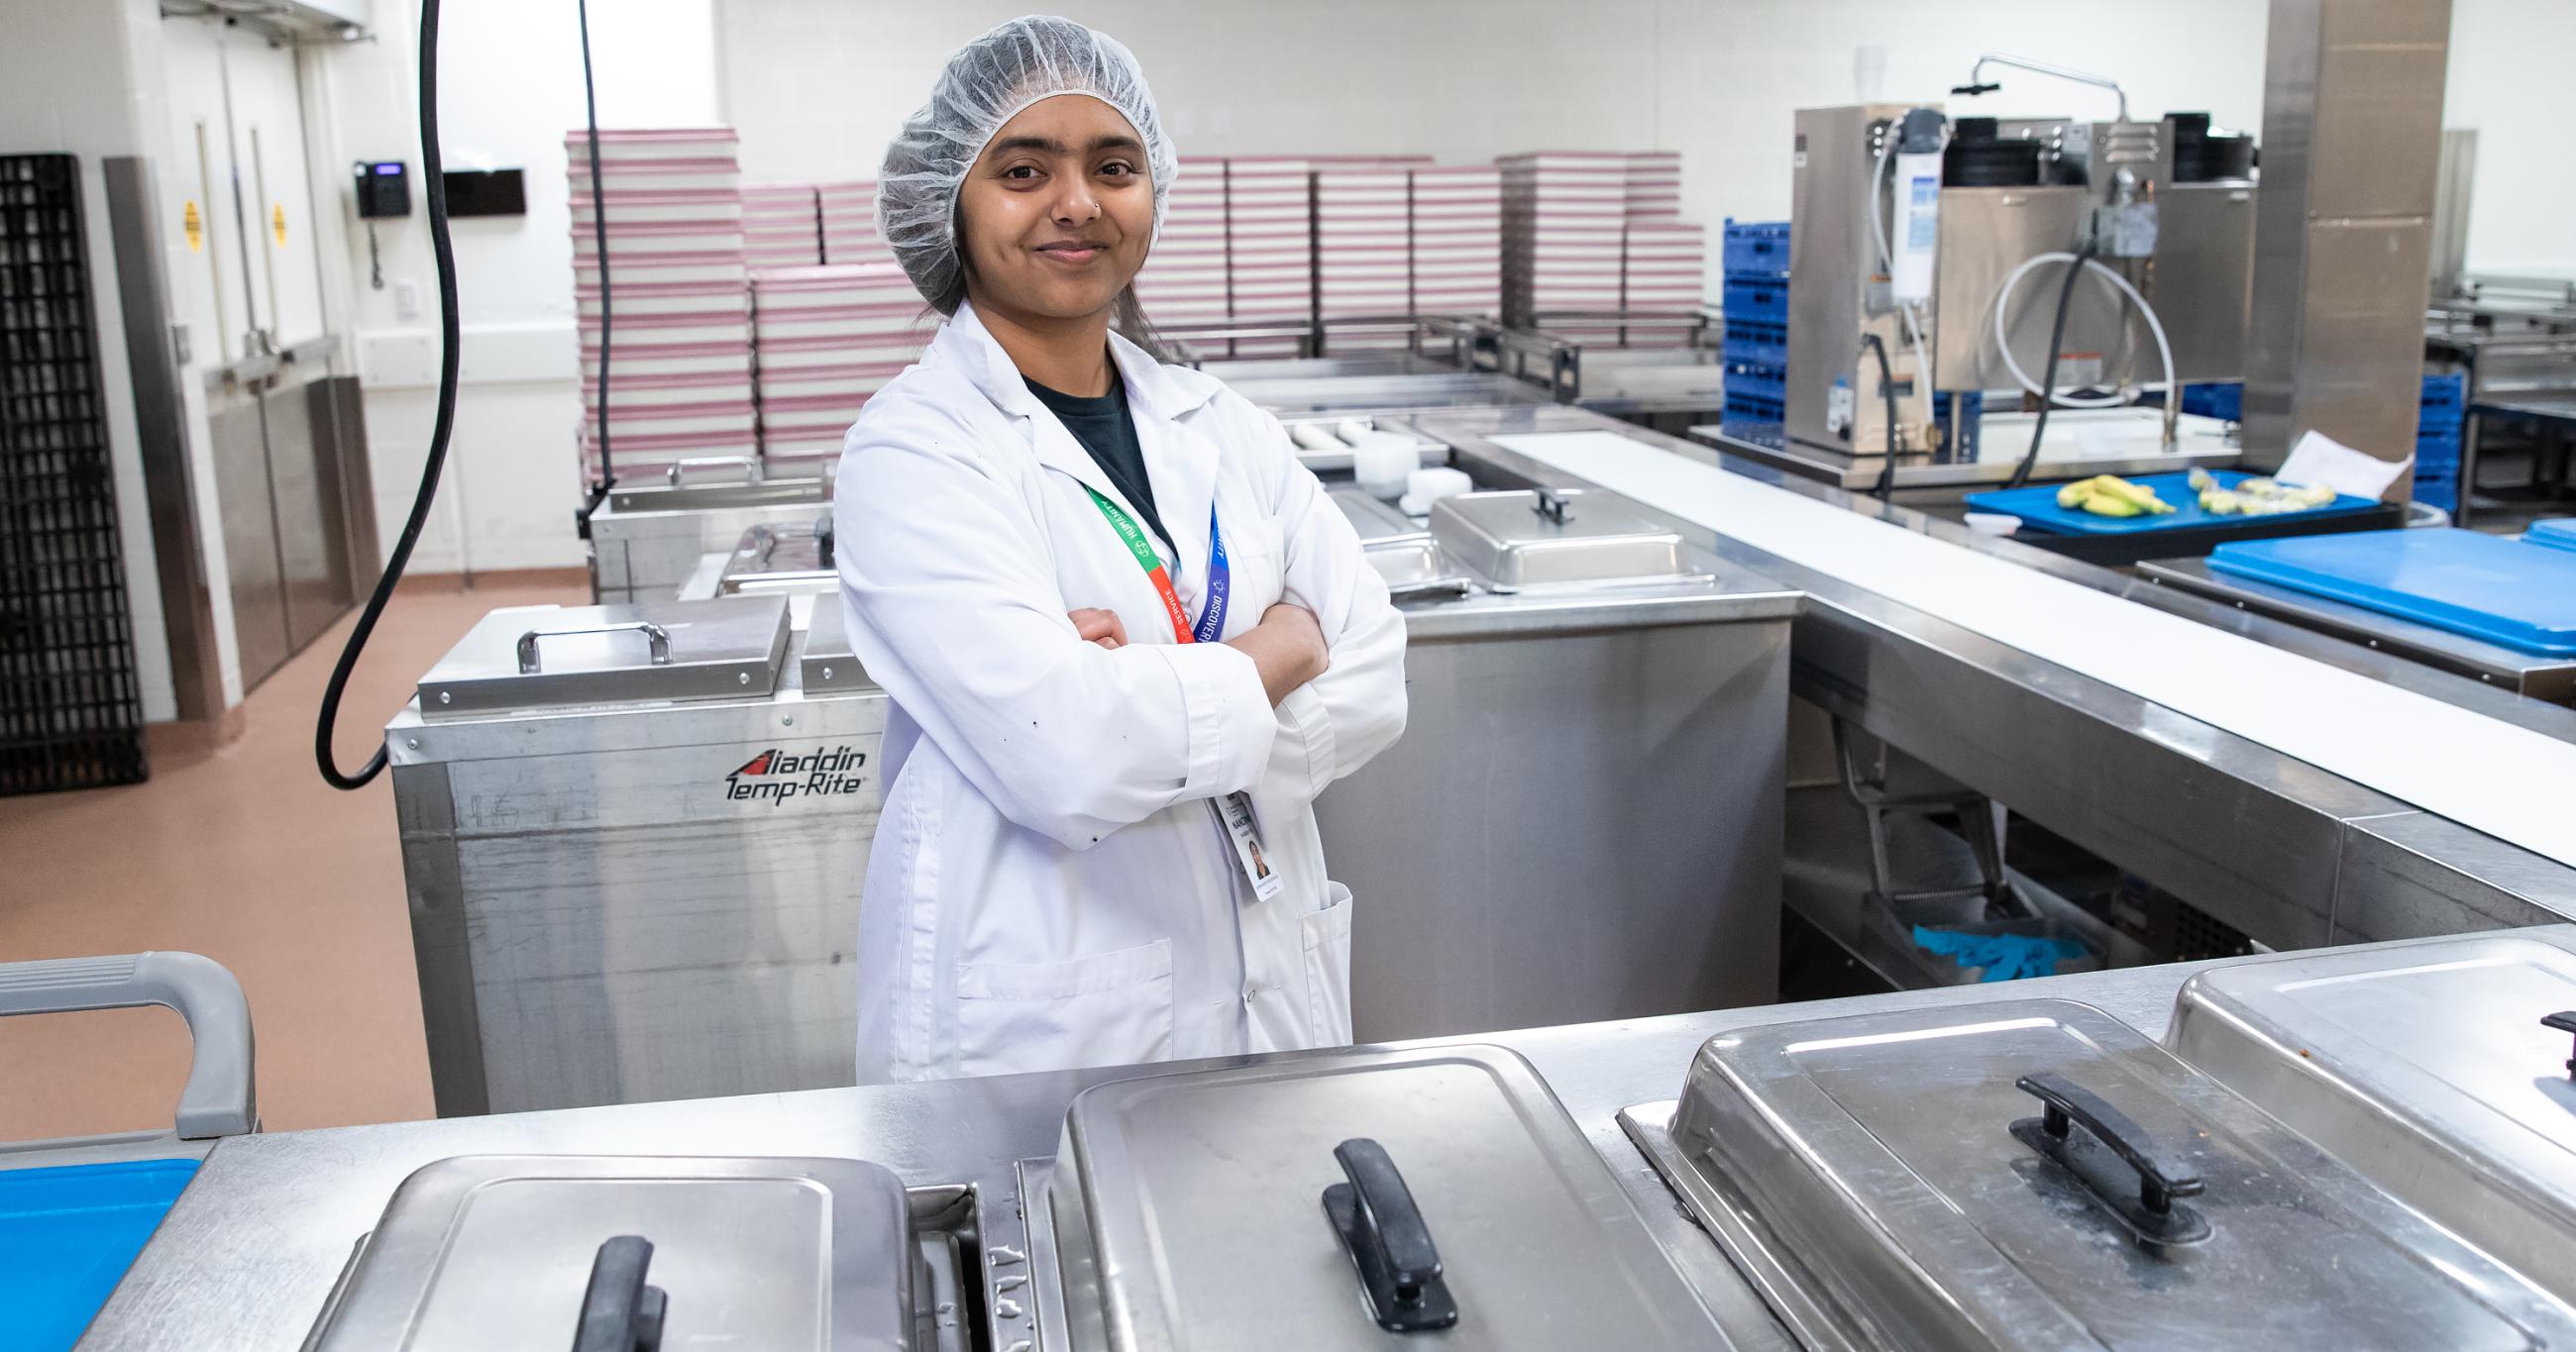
2506,781
2320,459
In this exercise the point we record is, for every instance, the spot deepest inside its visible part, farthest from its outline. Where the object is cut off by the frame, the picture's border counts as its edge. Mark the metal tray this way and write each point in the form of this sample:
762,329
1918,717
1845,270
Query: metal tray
1894,1181
496,1251
2424,1066
829,663
537,657
1207,1210
1417,568
1378,522
1521,538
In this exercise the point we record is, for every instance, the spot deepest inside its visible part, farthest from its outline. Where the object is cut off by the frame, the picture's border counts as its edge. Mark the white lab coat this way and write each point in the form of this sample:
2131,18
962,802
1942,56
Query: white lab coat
1048,886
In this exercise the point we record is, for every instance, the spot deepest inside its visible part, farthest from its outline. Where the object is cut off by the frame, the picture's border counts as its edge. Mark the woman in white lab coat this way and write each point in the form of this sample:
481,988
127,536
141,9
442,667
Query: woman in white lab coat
1127,637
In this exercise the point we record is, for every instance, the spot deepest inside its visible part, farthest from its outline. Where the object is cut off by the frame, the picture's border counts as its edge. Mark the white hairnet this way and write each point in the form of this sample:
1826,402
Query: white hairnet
986,84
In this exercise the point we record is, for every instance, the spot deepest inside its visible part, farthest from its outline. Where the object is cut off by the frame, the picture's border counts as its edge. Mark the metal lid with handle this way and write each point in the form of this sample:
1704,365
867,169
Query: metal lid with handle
2438,1068
539,657
1881,1180
538,1253
1184,1208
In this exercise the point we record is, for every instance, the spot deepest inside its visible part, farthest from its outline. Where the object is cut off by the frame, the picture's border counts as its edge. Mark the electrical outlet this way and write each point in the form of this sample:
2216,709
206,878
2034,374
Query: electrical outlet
406,299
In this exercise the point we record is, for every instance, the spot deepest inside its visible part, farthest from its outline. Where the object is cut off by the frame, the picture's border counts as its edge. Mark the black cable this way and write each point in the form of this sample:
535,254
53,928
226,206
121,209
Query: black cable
434,179
375,260
1886,391
598,239
2048,382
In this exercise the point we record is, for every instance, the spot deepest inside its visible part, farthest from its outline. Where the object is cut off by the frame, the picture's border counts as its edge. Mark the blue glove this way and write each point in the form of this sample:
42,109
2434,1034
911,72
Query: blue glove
2005,957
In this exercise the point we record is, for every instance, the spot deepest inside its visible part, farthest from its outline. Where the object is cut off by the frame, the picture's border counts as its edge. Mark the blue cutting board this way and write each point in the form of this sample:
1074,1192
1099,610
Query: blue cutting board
67,1235
2557,533
2037,507
2485,586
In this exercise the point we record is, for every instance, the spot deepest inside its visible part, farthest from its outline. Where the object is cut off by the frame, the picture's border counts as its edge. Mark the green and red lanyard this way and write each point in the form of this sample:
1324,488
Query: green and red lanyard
1211,625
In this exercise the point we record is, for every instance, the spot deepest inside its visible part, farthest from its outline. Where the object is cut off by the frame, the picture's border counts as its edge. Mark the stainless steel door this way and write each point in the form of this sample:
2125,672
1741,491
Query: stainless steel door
240,447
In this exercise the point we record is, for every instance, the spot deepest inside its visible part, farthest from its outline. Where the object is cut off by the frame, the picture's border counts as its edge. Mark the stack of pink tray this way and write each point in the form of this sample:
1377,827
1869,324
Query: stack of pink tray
1184,279
1667,268
1270,242
1457,240
1564,213
1363,248
1654,184
829,336
679,362
850,223
782,226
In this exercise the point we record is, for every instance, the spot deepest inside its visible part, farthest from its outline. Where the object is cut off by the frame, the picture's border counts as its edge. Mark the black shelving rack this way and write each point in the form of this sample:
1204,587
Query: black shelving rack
71,710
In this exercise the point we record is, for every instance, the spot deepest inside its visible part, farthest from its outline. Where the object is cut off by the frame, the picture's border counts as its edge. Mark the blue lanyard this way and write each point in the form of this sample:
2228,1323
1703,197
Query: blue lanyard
1211,625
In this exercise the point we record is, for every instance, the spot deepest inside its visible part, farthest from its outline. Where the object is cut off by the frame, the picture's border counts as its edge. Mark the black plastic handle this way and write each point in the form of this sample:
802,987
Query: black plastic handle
1973,90
2160,1180
619,1312
1384,1233
823,539
2564,1021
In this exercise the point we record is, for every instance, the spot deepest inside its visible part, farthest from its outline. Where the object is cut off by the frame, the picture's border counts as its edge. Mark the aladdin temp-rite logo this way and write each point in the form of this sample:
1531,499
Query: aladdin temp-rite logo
776,775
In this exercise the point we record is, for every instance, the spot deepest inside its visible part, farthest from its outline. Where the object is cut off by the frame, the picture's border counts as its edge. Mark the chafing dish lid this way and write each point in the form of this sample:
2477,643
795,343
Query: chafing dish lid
2426,1066
1376,521
1895,1166
537,657
1199,1201
1525,538
494,1253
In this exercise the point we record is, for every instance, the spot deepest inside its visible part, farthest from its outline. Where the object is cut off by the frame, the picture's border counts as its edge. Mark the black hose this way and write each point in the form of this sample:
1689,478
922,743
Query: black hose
598,239
434,182
2048,382
1886,391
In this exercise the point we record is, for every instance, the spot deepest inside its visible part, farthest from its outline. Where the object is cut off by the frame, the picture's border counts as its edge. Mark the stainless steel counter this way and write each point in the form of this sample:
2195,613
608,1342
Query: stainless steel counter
2283,851
246,1258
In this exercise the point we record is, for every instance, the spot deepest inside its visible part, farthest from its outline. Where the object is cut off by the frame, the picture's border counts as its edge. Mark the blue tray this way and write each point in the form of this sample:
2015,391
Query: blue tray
67,1235
2485,586
2037,507
2558,532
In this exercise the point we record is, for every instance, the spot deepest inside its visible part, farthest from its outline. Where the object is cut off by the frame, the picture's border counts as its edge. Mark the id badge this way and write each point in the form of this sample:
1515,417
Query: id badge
1243,830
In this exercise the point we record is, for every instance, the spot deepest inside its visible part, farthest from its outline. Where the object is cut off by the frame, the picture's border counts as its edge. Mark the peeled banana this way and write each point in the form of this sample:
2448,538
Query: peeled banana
2111,495
2258,497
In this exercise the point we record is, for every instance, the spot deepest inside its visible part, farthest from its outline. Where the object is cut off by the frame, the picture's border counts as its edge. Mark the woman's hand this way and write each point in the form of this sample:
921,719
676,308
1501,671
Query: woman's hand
1102,627
1287,647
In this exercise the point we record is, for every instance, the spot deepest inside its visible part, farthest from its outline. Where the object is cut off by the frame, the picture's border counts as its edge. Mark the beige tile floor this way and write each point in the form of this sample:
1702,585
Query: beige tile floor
246,856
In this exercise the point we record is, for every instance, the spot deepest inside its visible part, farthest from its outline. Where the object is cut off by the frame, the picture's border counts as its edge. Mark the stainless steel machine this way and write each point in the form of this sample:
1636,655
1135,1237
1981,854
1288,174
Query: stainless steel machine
646,538
636,836
1947,242
633,842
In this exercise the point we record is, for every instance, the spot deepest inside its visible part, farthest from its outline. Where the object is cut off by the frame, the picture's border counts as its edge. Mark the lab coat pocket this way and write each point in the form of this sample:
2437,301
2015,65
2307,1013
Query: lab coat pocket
1106,1009
1327,935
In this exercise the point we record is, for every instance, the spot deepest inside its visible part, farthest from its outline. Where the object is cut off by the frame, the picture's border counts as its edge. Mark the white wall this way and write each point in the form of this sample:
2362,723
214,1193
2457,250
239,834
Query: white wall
2509,71
817,86
510,87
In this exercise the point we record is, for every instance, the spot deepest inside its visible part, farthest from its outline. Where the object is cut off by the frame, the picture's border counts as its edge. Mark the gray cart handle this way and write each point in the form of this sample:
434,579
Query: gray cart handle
656,638
679,468
218,1099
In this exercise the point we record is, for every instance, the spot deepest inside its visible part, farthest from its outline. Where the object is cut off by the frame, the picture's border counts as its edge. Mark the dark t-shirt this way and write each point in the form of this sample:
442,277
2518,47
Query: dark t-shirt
1107,430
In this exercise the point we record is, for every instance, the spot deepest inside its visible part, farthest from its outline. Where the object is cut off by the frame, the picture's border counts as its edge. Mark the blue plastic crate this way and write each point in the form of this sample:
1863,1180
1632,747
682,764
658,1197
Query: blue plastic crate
1757,343
2445,391
1753,408
2215,401
1757,250
2439,490
1972,412
1763,302
67,1235
2437,448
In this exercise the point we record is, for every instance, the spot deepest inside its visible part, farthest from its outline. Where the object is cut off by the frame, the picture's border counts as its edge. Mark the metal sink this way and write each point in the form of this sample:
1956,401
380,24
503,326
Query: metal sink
1533,538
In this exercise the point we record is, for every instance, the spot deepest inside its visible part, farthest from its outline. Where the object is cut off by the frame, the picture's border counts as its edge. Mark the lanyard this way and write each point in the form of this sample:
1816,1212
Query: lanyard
1211,622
